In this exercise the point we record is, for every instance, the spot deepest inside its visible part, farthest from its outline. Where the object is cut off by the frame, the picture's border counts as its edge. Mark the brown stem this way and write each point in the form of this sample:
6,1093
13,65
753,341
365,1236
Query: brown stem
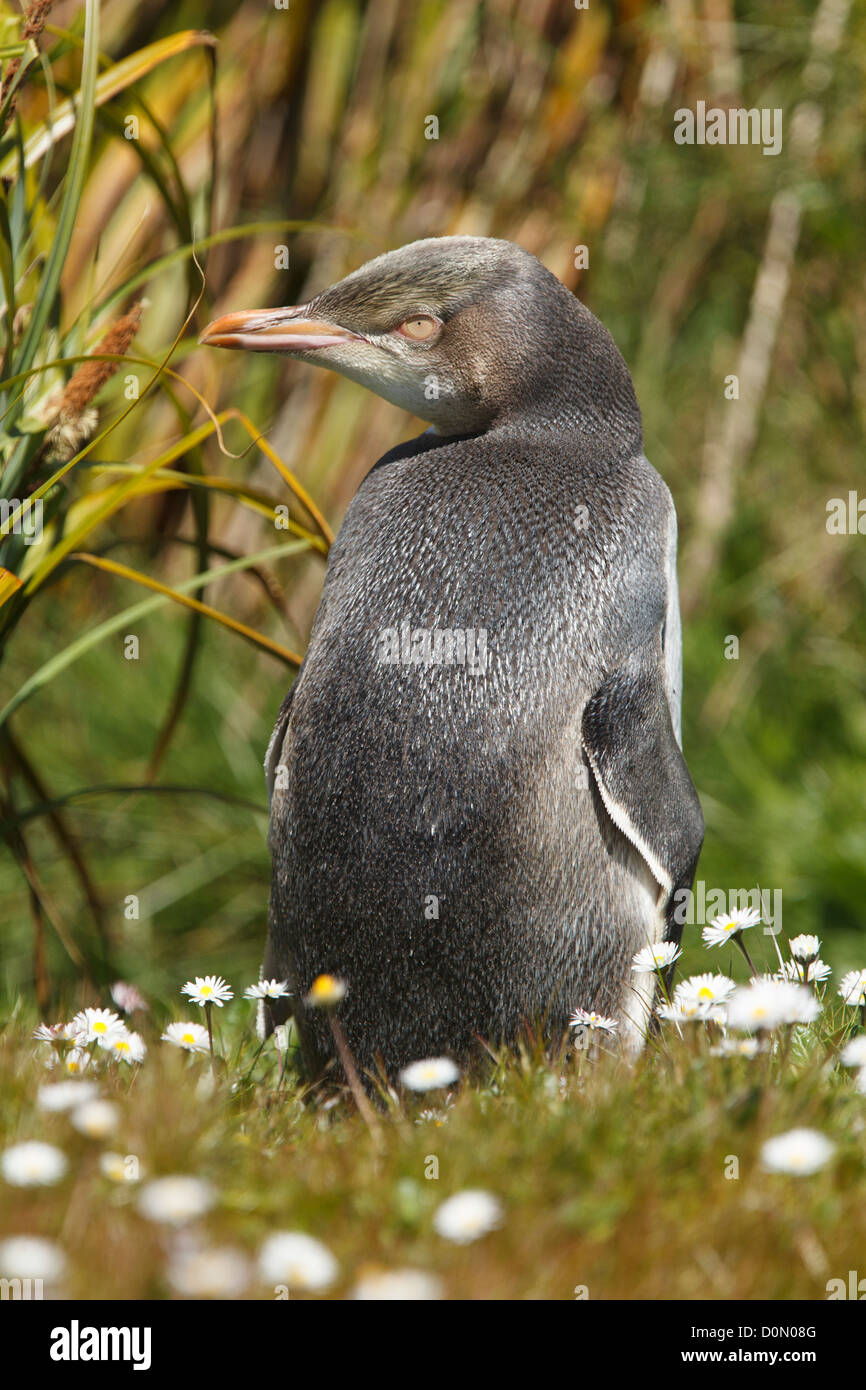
739,940
67,840
353,1078
42,907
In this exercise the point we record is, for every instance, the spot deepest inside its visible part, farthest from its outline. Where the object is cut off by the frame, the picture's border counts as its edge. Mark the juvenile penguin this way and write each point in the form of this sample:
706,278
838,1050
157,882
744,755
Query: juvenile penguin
479,807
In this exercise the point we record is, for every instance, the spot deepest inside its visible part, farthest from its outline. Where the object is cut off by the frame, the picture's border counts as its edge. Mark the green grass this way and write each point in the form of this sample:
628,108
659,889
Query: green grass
612,1176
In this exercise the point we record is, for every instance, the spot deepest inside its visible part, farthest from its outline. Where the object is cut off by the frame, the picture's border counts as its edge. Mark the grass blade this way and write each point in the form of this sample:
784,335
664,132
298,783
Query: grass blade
73,186
145,580
61,660
118,77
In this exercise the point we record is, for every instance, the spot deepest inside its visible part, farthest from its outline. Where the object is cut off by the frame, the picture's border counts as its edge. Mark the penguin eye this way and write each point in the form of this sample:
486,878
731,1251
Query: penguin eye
419,328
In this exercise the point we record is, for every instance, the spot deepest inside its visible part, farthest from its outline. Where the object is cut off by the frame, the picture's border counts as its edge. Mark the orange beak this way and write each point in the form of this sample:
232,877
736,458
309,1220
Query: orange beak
275,330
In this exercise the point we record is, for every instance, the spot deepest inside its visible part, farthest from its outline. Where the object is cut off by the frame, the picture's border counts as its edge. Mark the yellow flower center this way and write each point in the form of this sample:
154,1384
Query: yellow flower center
100,1027
705,992
188,1037
206,989
326,989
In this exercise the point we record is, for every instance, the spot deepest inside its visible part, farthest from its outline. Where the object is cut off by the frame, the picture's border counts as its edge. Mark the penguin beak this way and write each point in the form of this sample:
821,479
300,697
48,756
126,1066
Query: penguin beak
275,330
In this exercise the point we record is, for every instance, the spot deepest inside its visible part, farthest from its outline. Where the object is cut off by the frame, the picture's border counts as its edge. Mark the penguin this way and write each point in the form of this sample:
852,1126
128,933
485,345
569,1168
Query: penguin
479,805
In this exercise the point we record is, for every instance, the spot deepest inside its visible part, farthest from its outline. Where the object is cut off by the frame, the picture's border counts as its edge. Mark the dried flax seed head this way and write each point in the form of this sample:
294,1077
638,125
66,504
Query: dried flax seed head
76,418
34,22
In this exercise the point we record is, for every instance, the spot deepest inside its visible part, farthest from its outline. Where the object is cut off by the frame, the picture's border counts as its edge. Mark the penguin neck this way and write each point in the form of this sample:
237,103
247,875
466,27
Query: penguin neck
566,379
598,407
605,422
581,385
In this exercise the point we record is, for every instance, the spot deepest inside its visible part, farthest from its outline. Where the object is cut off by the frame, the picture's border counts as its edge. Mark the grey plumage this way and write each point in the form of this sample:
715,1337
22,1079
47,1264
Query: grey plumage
472,850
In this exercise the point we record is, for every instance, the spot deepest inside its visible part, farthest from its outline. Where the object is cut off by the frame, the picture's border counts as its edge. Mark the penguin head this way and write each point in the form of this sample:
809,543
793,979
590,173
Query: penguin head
461,331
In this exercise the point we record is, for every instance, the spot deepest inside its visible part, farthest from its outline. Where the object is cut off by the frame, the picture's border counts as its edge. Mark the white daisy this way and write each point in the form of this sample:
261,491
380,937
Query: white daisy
208,989
673,1013
805,948
432,1074
703,994
853,1054
852,987
298,1261
583,1018
397,1285
806,971
53,1032
191,1036
120,1168
65,1095
95,1025
33,1164
209,1273
799,1151
95,1118
175,1200
656,957
737,1047
77,1060
728,925
128,1047
468,1215
127,997
267,989
770,1004
31,1257
326,991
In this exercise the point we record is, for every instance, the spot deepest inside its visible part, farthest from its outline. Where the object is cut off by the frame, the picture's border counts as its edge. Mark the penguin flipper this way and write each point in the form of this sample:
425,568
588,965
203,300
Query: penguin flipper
642,777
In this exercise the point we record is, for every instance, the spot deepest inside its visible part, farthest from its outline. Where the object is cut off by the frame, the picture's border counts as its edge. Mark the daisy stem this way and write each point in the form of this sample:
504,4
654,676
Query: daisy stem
353,1078
787,1034
207,1011
739,940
